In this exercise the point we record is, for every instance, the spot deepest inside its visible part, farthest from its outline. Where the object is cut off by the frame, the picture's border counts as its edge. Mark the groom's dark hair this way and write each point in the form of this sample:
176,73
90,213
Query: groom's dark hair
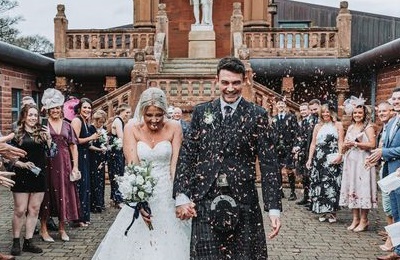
231,64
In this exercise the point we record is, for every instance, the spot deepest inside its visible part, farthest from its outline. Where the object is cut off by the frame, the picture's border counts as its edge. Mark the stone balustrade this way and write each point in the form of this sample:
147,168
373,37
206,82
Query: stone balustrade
290,42
107,42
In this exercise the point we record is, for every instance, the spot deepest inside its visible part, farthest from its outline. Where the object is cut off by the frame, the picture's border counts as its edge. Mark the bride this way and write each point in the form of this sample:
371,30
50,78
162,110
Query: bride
157,140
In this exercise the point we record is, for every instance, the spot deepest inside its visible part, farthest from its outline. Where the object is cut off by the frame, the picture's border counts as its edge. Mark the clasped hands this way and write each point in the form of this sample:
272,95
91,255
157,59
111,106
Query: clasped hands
186,211
373,158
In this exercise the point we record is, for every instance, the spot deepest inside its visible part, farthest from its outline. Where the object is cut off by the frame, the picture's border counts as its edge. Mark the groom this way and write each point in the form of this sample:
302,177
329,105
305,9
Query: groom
216,172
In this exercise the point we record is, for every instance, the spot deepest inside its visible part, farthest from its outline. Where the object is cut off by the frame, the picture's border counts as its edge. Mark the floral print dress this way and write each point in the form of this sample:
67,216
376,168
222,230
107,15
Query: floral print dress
325,177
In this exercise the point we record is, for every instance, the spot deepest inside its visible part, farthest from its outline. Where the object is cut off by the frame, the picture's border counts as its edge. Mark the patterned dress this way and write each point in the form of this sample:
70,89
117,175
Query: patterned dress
325,177
358,183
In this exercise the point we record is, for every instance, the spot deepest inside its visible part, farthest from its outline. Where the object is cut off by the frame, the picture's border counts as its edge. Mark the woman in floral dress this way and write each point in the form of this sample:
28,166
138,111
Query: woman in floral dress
324,160
358,190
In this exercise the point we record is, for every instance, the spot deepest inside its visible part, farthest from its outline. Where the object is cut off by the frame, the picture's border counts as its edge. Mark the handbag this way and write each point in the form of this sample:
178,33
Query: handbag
75,176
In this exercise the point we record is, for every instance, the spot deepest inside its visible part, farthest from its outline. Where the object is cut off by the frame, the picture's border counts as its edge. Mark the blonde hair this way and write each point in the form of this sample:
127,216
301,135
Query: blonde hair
100,114
153,97
331,112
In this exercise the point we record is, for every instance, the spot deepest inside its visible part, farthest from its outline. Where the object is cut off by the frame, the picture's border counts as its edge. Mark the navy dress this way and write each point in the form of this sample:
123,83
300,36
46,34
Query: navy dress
83,184
116,167
97,175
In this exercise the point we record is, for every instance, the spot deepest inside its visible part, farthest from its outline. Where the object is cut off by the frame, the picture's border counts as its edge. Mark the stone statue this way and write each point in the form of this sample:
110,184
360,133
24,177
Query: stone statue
206,11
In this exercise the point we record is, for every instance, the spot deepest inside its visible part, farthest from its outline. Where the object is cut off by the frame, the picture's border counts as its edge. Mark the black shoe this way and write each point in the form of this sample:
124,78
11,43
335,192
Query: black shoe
16,247
304,201
51,225
308,206
29,246
292,196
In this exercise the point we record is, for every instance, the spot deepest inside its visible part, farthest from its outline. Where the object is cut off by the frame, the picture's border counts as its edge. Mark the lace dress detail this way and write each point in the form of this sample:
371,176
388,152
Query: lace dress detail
170,238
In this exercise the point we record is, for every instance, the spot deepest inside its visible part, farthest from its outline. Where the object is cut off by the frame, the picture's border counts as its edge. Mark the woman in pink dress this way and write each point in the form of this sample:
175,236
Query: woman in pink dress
61,197
358,189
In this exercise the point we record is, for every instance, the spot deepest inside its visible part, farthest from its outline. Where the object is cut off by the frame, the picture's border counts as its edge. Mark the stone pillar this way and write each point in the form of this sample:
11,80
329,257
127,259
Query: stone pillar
247,92
255,13
161,41
144,13
139,75
111,83
60,32
236,29
343,23
288,87
342,87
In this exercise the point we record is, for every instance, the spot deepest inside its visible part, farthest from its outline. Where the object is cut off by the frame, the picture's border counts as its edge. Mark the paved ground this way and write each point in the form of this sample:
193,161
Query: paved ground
301,237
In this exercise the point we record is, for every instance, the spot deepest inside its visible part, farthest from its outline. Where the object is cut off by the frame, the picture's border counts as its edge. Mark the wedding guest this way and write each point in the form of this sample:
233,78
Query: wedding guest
98,160
27,100
80,124
116,160
389,153
302,147
326,146
61,198
29,187
216,171
358,186
178,117
385,113
285,125
5,180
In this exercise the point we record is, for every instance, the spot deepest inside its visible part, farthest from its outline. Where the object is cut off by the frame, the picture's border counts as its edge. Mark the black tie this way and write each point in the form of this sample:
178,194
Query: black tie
280,116
228,114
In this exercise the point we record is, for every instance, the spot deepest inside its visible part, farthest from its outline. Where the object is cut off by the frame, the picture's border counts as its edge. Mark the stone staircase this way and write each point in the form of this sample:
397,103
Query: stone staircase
184,66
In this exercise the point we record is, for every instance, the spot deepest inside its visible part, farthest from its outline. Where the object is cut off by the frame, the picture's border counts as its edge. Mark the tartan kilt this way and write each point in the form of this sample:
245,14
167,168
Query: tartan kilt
246,242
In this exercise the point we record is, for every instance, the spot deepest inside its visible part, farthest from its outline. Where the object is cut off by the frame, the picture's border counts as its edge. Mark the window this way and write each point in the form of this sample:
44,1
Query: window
298,41
16,103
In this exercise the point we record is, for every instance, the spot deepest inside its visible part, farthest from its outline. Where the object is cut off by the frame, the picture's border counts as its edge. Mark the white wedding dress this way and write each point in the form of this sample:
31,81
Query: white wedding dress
170,238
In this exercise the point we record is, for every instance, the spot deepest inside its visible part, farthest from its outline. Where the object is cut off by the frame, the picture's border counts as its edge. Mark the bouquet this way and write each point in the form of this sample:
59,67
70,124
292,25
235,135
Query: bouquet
137,186
117,143
103,138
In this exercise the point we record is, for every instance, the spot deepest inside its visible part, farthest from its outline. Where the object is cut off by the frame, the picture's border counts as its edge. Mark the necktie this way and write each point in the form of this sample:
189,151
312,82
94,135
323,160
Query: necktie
280,116
228,114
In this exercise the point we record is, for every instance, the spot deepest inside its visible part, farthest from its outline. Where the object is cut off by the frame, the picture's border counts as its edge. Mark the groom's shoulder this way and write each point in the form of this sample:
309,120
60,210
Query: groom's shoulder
257,109
203,106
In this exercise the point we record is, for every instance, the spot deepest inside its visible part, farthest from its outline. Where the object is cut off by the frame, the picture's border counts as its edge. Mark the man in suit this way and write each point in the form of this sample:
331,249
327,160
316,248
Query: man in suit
285,124
390,154
216,173
302,146
178,117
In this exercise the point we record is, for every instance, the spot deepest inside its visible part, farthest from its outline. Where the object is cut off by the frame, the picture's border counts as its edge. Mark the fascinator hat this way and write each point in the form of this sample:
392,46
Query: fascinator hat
150,97
351,103
52,98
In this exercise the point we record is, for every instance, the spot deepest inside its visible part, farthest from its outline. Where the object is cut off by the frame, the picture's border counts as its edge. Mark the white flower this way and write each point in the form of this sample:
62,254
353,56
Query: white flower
140,194
208,117
139,180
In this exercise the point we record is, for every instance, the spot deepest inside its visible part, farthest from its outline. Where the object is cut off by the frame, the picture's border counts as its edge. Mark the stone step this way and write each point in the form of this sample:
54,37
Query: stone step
190,66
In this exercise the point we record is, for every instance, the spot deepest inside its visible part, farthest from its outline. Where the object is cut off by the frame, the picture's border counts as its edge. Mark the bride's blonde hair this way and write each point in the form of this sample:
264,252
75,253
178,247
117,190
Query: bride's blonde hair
152,97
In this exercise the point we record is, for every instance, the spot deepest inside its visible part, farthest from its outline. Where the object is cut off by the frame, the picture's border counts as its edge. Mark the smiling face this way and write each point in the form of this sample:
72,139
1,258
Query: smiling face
326,115
230,85
32,117
396,101
55,113
126,114
86,110
385,112
304,111
153,118
358,115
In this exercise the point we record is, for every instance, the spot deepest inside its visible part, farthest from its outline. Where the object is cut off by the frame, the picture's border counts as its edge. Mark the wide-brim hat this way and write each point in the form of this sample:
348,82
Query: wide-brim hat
52,98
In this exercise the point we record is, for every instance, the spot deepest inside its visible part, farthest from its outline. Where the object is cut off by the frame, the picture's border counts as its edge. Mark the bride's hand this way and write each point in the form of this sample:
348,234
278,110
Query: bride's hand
186,211
146,216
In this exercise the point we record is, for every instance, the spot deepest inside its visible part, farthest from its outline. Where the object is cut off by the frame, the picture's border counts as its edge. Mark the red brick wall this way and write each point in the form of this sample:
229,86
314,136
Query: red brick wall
13,77
180,16
388,78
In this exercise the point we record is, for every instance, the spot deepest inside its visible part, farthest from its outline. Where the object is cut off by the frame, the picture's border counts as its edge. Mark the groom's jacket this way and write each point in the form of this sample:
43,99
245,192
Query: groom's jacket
213,148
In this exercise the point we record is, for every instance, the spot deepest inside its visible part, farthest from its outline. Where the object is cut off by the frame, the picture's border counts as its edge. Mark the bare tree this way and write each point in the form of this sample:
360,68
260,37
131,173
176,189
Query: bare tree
35,43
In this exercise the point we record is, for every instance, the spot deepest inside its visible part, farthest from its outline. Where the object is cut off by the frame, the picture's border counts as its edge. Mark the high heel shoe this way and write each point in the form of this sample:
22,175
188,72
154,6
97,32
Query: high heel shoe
63,235
386,248
46,237
352,226
361,229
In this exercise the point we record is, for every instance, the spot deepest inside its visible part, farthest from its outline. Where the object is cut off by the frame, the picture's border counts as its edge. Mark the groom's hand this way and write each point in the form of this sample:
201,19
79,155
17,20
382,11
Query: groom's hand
276,226
186,211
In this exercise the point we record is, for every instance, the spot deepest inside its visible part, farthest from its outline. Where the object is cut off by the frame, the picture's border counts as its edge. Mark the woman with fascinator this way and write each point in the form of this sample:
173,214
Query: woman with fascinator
61,197
358,188
151,137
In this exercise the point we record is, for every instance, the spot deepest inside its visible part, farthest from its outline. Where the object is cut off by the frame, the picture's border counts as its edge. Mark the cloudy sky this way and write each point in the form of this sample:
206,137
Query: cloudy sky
82,14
